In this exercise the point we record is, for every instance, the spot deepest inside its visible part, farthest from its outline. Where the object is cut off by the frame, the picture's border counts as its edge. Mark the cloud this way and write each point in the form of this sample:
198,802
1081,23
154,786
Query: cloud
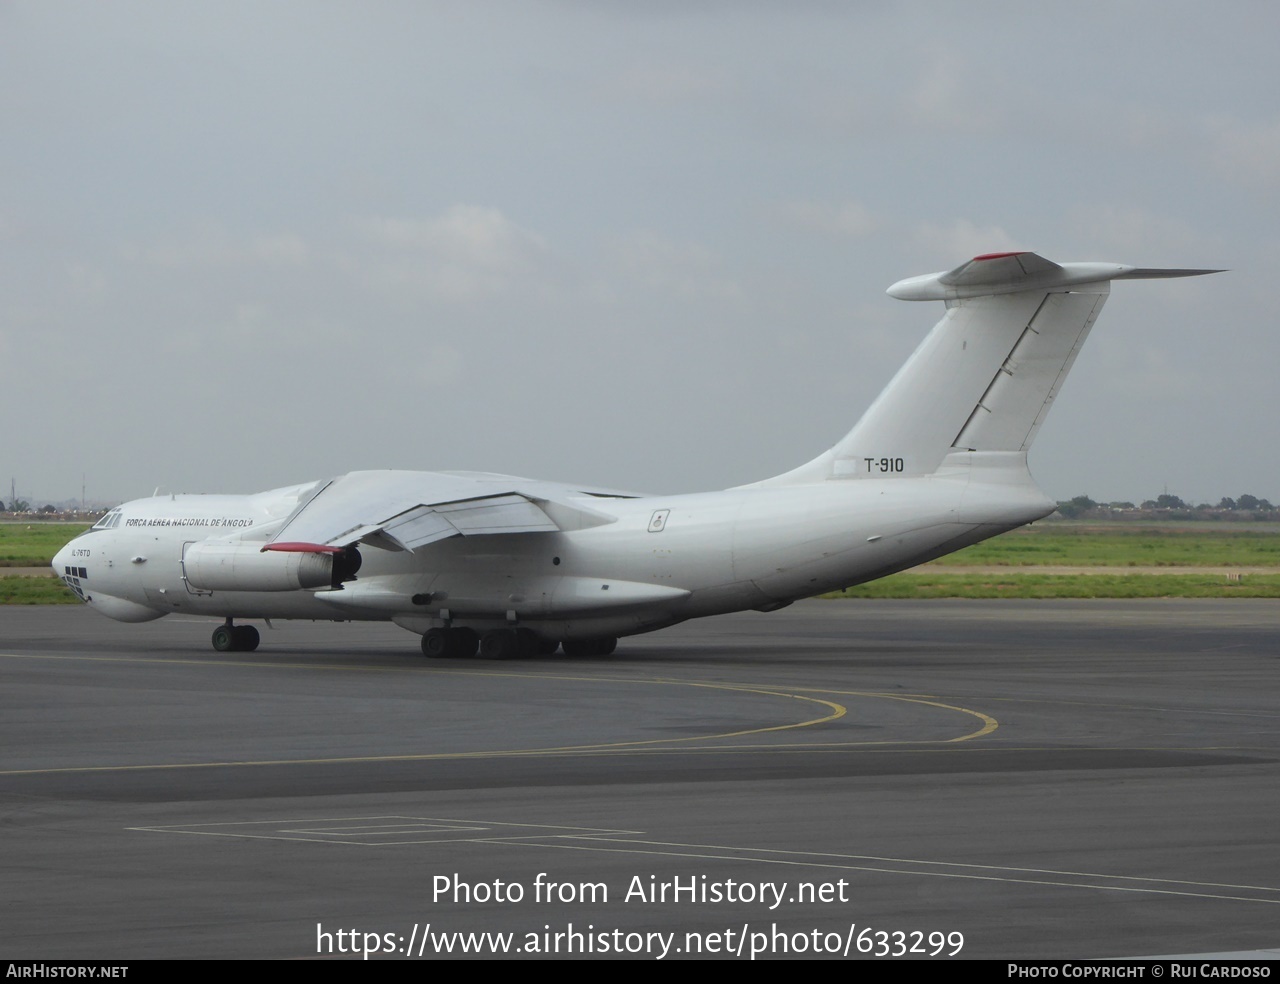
949,95
672,83
212,245
464,233
1135,235
843,219
962,239
463,254
1151,374
466,253
1246,151
685,269
280,249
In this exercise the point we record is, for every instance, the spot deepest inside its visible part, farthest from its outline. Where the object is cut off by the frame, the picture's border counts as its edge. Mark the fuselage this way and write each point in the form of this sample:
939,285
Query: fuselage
659,560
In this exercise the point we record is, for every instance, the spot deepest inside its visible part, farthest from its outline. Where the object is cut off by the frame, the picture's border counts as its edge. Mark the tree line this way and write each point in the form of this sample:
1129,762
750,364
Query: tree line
1170,506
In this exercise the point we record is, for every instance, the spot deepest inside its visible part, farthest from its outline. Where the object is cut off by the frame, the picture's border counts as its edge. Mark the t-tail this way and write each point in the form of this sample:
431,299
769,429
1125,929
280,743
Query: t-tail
981,383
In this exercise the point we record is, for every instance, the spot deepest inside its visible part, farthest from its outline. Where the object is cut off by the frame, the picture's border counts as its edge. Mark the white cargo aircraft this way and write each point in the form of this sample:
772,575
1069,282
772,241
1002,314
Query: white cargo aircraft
512,567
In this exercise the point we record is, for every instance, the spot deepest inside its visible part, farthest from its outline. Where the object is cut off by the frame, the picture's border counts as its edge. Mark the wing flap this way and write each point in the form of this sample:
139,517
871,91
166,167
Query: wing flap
418,527
497,514
411,510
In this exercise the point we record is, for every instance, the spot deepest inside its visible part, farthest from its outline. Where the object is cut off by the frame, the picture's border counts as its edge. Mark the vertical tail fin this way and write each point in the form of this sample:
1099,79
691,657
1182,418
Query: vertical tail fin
985,377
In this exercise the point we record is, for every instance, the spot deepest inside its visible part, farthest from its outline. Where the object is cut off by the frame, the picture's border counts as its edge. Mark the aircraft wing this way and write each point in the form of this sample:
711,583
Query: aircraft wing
398,510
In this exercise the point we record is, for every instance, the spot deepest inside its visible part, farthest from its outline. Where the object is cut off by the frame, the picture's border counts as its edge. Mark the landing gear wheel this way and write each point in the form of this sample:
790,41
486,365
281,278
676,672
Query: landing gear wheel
528,643
547,647
228,638
449,643
465,642
436,643
499,644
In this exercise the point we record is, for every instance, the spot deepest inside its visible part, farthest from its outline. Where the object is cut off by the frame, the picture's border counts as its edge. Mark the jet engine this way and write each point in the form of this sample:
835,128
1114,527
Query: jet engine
212,566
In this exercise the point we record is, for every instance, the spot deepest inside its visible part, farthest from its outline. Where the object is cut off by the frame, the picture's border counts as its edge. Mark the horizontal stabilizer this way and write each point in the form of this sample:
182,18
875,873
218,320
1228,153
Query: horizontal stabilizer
1156,273
1007,273
994,268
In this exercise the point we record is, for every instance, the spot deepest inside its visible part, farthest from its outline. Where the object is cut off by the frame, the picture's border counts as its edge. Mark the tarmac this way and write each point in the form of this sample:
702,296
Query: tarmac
1061,779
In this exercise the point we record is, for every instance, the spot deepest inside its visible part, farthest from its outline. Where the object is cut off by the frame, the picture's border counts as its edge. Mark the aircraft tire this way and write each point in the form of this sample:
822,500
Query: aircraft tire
529,643
500,644
246,638
463,642
436,643
547,647
224,639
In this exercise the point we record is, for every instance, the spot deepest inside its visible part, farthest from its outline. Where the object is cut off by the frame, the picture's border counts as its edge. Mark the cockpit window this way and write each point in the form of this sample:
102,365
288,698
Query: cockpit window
108,522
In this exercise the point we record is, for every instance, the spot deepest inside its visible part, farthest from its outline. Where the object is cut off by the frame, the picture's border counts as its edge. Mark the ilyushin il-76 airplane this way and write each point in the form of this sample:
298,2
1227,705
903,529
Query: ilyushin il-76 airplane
511,567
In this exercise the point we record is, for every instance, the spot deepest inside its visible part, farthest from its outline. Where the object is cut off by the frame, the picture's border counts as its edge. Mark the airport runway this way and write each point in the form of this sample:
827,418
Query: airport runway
1046,779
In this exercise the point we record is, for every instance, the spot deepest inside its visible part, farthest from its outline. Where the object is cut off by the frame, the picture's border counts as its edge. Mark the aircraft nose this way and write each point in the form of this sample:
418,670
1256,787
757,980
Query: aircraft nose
60,560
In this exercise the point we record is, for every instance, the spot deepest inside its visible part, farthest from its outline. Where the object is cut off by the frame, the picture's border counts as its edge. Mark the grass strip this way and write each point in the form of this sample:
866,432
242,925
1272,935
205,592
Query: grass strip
1022,585
34,544
35,591
1124,547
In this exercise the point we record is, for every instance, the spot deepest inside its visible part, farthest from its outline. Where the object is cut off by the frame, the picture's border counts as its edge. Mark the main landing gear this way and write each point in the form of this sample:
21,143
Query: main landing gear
462,643
450,643
228,638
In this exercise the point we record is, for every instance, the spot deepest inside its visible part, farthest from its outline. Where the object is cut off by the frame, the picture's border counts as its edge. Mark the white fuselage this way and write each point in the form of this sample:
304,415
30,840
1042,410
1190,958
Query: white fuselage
663,559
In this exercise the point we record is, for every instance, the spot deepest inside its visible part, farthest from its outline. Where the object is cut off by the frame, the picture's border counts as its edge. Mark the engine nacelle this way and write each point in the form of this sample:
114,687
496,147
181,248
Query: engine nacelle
247,567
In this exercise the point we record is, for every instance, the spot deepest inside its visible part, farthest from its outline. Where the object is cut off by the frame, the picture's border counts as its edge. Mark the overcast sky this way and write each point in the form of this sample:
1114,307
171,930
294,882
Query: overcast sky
641,245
